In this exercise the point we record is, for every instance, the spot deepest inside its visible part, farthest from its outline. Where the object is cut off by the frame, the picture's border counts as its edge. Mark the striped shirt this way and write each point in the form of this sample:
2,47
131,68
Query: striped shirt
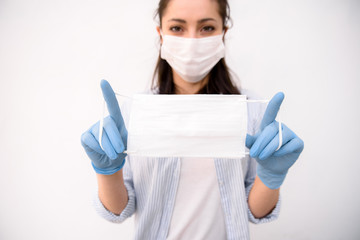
151,184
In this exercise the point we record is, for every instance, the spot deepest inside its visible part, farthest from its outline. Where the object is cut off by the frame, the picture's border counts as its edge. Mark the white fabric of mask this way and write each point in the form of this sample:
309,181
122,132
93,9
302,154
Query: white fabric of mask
188,125
192,58
194,125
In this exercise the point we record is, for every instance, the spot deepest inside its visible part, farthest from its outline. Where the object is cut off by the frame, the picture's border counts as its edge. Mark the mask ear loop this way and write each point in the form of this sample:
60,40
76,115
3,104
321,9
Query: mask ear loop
101,124
280,132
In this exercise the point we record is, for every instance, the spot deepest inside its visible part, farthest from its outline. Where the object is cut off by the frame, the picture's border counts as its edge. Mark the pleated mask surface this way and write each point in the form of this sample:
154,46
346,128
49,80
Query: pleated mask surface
199,125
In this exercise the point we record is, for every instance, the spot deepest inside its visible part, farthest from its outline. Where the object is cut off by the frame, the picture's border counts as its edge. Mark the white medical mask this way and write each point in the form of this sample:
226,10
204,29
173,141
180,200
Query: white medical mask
192,58
193,125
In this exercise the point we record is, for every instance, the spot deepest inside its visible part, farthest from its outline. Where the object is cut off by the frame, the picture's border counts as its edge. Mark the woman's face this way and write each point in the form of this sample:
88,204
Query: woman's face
192,19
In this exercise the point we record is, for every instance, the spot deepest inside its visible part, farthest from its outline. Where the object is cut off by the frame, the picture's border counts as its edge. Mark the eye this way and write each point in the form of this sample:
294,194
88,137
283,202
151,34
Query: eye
175,29
208,29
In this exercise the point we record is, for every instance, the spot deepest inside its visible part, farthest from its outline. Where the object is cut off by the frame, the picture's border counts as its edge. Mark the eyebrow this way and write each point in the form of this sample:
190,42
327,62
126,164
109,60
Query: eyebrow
199,21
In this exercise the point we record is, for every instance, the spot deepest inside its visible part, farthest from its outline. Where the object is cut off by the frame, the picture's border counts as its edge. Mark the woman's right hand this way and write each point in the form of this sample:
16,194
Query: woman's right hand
111,158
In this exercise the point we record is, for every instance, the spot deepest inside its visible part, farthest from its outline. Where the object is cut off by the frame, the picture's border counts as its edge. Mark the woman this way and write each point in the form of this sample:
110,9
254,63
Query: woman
179,198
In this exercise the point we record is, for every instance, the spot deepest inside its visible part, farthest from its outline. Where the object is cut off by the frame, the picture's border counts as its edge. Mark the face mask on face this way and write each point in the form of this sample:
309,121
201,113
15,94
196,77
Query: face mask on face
192,58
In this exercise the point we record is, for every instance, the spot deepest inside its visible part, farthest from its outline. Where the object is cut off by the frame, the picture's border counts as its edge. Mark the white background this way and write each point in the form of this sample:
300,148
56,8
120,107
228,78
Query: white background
53,55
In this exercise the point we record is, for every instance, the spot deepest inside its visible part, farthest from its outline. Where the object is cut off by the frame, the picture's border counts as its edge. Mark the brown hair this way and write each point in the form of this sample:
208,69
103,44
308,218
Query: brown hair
219,78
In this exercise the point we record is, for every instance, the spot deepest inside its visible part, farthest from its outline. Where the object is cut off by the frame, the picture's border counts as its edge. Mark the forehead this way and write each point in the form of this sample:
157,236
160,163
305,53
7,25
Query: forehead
192,9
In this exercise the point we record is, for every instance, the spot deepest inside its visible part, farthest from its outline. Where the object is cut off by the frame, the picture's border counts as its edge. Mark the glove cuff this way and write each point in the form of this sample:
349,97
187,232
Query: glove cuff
271,180
108,171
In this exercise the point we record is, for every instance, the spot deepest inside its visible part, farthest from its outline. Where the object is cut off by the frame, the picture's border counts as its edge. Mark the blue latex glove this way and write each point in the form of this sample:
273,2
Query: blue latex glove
273,165
114,138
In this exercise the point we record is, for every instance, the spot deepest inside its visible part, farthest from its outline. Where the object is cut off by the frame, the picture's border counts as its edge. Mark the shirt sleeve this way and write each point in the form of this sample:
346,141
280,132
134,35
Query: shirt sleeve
255,115
130,208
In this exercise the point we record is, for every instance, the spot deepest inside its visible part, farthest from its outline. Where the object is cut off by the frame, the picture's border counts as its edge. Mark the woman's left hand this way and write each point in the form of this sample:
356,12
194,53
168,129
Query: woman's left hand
273,165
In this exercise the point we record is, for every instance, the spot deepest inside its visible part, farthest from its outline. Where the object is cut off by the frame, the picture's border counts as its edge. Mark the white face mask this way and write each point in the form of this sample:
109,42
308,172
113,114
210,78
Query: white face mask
192,58
199,125
194,125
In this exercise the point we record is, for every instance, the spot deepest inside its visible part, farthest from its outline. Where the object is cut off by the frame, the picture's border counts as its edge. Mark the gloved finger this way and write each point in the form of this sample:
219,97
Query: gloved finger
105,142
249,141
114,135
272,109
264,139
89,142
296,145
112,103
108,147
287,135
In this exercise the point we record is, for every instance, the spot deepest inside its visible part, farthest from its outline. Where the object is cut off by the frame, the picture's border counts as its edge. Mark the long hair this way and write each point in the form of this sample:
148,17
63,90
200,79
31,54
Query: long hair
219,79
